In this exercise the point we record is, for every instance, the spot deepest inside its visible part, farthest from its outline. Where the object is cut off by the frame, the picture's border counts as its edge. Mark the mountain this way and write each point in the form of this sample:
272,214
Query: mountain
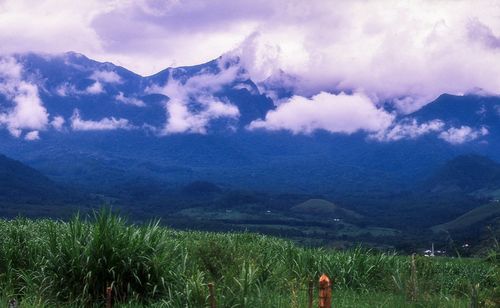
27,192
471,110
20,183
98,90
107,126
177,144
468,174
323,208
472,115
479,217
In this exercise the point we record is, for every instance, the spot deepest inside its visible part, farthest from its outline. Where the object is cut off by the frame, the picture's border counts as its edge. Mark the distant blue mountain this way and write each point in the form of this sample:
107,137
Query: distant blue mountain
227,153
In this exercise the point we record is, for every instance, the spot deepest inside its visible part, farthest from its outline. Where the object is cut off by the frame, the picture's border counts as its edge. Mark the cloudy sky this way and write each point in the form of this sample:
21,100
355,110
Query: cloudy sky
386,48
407,52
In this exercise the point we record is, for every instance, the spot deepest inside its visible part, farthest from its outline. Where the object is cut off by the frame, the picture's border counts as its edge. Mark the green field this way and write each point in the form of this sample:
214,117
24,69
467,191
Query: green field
47,263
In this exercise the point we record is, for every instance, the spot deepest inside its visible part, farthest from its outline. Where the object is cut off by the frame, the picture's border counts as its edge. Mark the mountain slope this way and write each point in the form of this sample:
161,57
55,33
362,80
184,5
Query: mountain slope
471,110
323,208
20,183
466,174
482,215
24,191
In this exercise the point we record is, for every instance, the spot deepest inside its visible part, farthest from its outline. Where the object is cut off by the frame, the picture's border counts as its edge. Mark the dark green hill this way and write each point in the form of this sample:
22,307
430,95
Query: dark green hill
482,215
323,207
22,184
469,174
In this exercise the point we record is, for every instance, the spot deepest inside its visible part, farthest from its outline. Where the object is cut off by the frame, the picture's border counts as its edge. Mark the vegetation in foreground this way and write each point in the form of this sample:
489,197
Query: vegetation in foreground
54,263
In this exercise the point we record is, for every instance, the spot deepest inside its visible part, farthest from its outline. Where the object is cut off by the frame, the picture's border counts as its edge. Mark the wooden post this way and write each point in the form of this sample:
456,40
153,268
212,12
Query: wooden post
474,301
413,288
211,290
109,297
325,292
310,293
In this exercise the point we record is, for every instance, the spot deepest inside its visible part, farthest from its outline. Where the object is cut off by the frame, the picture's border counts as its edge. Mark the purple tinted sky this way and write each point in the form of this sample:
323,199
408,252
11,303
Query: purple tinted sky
409,50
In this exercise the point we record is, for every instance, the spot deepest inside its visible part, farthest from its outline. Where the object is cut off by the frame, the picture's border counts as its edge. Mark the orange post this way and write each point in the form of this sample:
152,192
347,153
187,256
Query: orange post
109,297
325,292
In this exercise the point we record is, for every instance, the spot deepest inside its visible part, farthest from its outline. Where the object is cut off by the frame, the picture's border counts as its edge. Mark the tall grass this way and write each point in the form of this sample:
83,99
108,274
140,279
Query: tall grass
52,263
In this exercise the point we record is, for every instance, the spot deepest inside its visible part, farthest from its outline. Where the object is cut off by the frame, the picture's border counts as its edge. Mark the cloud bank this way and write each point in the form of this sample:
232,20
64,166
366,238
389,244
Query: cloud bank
79,124
408,52
339,113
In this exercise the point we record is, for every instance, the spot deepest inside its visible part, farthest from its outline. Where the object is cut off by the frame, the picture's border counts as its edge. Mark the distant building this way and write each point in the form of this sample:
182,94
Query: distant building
430,252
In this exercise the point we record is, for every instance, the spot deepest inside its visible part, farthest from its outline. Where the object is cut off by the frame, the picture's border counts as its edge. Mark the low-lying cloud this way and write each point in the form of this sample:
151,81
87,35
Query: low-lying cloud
106,76
23,109
111,123
33,135
192,103
67,89
95,88
120,97
463,134
408,129
335,113
57,123
411,129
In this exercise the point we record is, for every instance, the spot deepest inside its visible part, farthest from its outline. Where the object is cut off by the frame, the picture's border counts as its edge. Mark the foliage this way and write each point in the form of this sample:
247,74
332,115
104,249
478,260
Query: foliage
49,263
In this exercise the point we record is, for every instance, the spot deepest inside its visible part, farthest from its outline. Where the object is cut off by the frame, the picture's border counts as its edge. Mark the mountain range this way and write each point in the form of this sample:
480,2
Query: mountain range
187,138
99,124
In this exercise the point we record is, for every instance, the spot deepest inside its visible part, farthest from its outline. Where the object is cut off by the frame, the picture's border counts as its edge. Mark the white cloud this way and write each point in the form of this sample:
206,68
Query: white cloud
181,120
463,134
95,88
57,122
33,135
78,124
336,113
245,86
409,52
106,76
409,129
50,25
120,97
192,104
67,89
24,109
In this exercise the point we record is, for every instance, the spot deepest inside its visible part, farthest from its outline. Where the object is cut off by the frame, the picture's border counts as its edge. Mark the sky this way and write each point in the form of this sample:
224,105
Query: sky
391,47
405,52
